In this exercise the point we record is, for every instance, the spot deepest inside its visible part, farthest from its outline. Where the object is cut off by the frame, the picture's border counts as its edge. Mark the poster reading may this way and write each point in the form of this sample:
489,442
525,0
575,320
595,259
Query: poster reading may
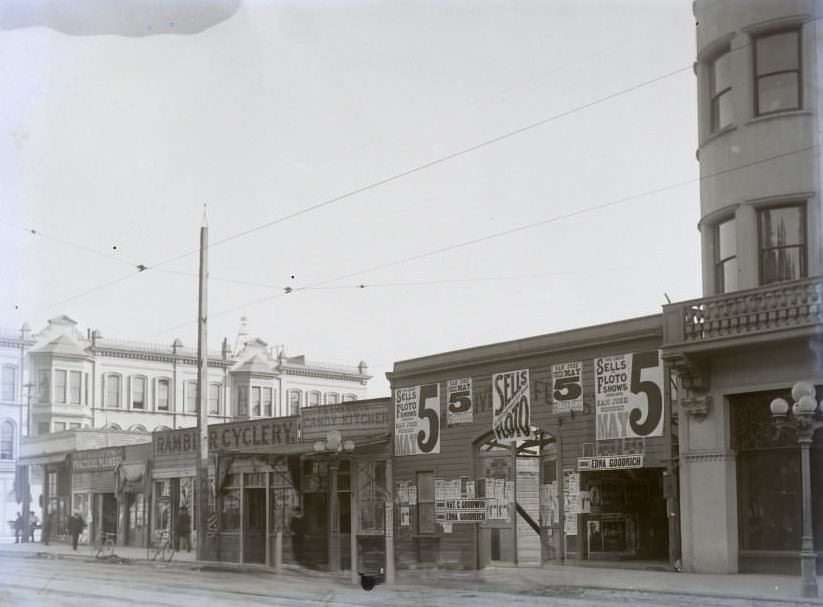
511,405
417,420
567,387
629,395
459,401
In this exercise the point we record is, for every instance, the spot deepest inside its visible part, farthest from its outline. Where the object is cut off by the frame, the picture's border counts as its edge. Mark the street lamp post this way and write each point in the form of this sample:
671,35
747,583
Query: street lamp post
804,419
334,446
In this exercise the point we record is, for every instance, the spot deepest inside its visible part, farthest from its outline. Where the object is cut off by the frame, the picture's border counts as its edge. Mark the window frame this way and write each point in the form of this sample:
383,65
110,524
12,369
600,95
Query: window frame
256,401
314,398
8,390
61,387
801,205
107,378
756,77
243,401
7,449
219,388
432,530
134,381
299,398
167,383
716,96
267,404
75,373
43,385
719,263
189,392
332,398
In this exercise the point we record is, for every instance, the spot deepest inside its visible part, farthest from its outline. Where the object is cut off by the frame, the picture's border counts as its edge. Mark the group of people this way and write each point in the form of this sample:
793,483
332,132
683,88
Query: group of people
76,524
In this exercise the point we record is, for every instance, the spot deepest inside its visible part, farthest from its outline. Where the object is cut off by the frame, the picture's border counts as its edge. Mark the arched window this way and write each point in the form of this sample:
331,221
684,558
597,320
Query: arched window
112,427
190,396
112,391
214,399
332,398
138,392
314,398
6,440
163,395
161,428
294,402
138,428
347,398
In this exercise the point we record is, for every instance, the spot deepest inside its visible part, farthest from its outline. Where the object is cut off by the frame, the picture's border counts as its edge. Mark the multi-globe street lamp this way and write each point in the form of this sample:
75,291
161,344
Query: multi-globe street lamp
804,417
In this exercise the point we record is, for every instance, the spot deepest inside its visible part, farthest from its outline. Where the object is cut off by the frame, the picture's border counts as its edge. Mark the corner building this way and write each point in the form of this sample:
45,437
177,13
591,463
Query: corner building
551,447
756,330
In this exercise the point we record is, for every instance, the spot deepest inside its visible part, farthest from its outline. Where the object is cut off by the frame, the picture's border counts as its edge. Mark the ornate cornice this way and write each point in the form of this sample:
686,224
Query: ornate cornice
353,377
709,456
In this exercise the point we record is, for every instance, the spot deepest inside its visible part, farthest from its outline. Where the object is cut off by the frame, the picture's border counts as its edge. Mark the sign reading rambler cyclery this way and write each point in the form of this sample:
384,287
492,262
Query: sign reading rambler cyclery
511,405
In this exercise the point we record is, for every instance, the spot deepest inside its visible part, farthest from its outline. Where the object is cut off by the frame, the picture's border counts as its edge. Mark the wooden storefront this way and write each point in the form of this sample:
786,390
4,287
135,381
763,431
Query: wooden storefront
497,450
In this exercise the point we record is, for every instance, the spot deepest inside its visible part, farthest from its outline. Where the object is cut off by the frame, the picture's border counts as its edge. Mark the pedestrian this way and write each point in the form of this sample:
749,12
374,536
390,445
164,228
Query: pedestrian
32,525
76,526
48,522
182,527
18,528
297,530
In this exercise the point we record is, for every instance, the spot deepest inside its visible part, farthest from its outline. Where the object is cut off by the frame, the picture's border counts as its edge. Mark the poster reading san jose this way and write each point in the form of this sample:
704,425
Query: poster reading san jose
567,387
629,395
459,401
417,420
511,405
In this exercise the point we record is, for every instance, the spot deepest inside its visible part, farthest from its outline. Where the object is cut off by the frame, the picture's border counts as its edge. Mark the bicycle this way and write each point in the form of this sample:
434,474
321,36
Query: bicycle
162,548
106,547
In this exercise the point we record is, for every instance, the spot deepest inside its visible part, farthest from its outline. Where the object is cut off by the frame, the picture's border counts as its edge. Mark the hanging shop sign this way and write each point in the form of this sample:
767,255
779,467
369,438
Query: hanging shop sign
567,387
629,395
417,420
350,419
511,405
612,462
459,408
231,436
99,459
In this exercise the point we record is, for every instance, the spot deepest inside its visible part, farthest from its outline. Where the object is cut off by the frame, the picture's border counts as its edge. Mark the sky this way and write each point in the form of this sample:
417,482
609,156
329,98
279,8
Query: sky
401,146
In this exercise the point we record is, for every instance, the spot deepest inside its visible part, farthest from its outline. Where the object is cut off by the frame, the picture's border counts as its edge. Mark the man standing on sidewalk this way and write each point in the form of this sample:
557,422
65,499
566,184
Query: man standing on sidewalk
76,526
182,526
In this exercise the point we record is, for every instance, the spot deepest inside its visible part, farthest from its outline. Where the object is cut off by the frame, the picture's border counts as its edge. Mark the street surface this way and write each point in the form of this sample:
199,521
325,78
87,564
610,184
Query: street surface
54,581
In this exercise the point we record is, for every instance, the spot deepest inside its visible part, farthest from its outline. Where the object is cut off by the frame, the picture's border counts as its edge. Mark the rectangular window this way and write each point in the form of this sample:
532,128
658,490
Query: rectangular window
43,385
190,389
243,401
75,426
214,399
162,395
86,388
267,398
314,399
59,426
777,72
74,387
425,502
721,91
112,390
255,401
138,393
60,386
725,257
782,243
294,402
42,428
6,440
9,377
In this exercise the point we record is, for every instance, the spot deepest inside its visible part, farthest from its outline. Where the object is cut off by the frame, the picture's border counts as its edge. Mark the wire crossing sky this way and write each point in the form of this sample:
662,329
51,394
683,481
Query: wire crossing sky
335,139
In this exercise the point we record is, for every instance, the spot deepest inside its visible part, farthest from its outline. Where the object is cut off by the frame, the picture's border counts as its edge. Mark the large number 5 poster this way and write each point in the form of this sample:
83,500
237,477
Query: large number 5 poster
629,395
417,420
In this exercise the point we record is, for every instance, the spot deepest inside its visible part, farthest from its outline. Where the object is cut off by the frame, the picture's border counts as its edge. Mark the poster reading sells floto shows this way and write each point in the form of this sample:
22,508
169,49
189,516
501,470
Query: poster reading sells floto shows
629,395
511,405
459,401
417,420
567,387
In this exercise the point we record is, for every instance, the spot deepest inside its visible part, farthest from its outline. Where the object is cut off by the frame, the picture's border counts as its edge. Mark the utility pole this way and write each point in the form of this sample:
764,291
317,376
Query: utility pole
202,398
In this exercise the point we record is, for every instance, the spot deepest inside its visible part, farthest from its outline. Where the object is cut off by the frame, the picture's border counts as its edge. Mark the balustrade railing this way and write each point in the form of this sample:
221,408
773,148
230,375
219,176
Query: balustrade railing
780,306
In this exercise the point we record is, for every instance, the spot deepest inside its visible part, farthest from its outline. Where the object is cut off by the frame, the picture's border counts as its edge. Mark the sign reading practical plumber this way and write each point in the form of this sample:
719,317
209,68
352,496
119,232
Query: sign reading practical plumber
567,387
511,405
459,401
629,395
231,436
417,420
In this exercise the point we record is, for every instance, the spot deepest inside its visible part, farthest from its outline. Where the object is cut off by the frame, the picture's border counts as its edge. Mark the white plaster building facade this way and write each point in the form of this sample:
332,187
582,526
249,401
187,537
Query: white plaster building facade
756,330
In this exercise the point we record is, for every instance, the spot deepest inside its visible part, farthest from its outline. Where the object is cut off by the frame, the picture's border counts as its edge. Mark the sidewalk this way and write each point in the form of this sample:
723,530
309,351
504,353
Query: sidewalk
545,580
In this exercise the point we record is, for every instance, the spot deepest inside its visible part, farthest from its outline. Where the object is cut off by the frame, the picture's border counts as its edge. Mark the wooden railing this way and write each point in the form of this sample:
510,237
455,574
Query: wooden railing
785,305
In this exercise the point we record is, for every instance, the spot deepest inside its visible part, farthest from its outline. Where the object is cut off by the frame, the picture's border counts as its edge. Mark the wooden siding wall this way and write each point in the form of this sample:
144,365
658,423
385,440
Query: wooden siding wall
456,457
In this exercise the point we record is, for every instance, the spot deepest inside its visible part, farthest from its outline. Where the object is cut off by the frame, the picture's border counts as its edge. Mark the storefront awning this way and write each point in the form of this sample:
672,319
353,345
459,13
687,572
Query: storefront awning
303,448
39,460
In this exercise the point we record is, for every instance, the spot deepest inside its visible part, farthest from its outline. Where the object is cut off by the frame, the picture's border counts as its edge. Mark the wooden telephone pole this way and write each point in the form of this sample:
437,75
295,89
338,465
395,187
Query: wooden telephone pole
202,399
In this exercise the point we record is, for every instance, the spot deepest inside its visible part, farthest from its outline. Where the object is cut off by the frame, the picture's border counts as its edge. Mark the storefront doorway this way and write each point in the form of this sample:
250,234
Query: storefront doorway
255,517
510,476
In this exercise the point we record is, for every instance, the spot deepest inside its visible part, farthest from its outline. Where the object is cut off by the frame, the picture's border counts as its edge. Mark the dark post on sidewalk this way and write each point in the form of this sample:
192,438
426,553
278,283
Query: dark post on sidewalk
202,399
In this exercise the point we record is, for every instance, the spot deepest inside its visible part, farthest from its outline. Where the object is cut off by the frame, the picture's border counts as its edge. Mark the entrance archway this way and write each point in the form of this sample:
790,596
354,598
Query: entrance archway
519,481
